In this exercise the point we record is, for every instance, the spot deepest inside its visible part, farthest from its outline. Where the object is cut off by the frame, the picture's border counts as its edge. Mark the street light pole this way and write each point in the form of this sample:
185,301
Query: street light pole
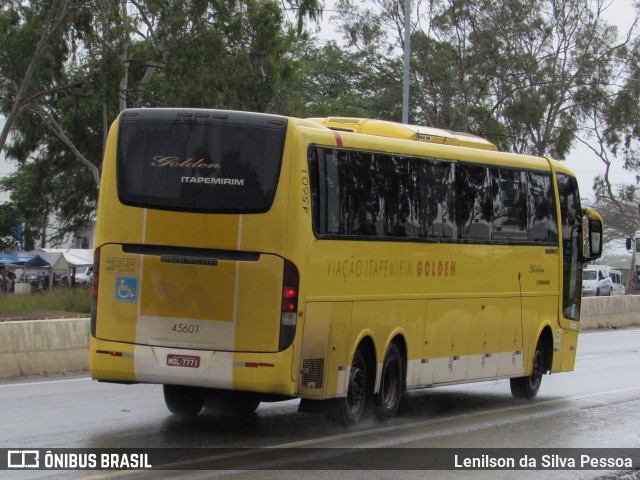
407,58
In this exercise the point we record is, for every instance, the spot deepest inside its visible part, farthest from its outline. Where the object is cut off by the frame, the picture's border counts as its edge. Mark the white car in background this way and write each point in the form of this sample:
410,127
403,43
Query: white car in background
596,282
84,276
618,287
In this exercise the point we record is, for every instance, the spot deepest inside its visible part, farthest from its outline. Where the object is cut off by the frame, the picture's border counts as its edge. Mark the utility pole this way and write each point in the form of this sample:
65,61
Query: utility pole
407,58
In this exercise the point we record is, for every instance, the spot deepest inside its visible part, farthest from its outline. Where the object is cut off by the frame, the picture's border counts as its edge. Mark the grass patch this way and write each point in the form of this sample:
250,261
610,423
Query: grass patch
77,300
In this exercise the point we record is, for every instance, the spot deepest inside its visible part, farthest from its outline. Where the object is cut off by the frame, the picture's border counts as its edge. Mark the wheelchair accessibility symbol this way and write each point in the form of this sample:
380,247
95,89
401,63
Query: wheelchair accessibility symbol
126,289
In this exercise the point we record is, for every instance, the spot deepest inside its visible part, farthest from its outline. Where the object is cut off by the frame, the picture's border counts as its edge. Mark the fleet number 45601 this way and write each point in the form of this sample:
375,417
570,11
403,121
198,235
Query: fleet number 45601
184,328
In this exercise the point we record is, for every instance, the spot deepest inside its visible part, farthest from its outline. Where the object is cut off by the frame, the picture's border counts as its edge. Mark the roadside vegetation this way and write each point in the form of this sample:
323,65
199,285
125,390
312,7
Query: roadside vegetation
74,300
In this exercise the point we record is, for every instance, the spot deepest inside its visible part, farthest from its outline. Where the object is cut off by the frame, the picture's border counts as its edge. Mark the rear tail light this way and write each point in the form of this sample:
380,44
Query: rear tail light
94,290
289,313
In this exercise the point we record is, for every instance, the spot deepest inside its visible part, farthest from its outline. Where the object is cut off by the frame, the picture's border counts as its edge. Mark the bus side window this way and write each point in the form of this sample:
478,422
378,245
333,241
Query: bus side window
473,202
542,225
508,188
436,200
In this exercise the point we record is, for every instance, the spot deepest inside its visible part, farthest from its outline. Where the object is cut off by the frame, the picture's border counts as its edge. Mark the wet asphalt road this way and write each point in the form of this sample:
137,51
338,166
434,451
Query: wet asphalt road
597,405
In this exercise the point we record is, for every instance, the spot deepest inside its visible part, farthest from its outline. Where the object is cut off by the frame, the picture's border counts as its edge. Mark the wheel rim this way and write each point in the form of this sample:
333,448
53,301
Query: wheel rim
390,393
356,393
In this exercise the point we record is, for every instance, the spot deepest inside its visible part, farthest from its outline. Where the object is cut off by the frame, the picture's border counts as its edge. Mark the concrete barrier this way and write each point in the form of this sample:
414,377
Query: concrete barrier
32,347
610,312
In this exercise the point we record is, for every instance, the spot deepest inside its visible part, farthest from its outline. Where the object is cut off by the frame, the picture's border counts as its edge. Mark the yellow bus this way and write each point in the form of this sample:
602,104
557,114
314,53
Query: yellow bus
244,257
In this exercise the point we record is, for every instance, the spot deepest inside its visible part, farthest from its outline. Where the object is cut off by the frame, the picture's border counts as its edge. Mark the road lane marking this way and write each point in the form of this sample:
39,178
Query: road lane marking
602,331
45,382
17,425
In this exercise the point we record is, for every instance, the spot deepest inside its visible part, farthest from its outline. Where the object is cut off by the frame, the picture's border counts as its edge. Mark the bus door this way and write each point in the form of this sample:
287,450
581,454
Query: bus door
572,244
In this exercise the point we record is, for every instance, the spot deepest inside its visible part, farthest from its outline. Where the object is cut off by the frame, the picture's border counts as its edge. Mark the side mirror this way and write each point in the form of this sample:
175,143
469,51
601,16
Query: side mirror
594,236
629,240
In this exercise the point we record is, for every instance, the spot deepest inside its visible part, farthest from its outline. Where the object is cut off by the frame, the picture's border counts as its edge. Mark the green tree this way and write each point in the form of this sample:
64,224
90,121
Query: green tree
28,186
35,38
514,71
9,219
330,81
229,54
117,53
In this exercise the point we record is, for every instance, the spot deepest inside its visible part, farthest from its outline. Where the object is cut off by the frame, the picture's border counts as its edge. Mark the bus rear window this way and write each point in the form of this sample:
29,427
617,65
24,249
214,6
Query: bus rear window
199,160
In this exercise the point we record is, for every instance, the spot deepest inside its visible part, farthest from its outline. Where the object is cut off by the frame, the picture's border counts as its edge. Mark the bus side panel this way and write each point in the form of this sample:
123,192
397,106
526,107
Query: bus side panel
338,348
484,342
427,364
419,371
538,313
315,351
453,320
512,335
568,348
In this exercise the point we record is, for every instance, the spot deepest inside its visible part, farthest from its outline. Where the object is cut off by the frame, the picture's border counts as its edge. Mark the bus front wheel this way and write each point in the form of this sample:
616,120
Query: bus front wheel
527,387
388,399
184,401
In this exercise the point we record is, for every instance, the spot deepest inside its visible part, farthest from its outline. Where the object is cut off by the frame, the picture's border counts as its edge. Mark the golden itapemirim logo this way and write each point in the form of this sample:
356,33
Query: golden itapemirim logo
168,161
355,268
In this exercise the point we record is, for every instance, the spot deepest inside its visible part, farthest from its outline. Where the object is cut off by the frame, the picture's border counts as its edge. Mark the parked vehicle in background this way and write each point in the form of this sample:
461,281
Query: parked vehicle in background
596,282
617,285
84,276
633,246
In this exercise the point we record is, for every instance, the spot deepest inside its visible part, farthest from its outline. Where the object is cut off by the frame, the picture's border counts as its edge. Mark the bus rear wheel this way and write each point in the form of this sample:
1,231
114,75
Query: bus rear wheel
184,401
527,387
387,401
351,407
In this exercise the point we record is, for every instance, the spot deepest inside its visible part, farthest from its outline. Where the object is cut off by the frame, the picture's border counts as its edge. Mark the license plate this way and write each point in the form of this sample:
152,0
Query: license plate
189,361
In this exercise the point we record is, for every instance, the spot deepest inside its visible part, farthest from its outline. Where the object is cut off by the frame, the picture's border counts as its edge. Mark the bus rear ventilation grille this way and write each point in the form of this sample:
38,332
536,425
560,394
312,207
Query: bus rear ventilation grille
312,373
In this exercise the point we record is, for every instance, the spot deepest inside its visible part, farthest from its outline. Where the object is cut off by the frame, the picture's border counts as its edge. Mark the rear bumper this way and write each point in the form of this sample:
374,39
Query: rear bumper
269,373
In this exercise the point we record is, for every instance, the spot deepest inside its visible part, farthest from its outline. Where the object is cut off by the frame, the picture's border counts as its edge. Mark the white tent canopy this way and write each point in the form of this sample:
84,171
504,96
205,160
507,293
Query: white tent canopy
66,259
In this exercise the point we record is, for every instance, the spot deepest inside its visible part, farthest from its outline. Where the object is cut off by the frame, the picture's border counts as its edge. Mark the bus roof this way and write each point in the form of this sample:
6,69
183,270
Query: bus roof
404,131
